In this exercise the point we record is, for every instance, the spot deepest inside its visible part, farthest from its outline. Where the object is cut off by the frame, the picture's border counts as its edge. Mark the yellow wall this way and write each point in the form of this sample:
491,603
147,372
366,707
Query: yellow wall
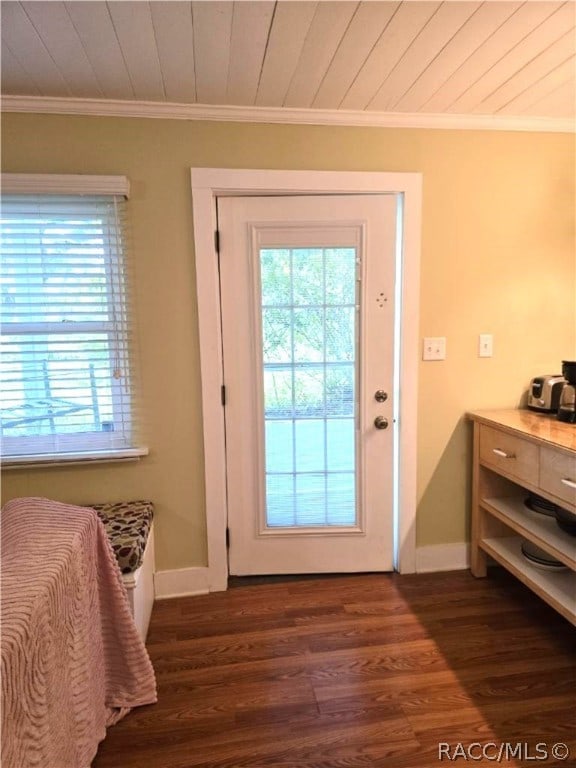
497,257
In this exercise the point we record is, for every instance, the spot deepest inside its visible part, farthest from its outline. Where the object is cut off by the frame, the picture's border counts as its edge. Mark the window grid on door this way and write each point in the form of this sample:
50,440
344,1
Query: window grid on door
310,340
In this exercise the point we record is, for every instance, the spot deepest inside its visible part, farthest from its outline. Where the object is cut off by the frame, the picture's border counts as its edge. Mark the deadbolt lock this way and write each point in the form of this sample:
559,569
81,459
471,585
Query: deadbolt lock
380,396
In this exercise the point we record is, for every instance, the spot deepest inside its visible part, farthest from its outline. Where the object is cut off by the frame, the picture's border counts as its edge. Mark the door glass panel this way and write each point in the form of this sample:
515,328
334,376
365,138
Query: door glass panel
310,343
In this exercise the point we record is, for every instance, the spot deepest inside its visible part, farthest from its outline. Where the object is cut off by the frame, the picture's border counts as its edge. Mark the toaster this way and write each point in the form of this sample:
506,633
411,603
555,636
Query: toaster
544,393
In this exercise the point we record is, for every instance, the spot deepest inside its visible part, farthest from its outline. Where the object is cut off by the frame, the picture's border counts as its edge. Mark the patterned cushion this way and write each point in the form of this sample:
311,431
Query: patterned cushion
127,524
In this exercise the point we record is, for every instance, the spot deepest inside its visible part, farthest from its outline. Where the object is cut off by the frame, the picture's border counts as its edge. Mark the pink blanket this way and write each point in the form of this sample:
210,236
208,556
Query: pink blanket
72,660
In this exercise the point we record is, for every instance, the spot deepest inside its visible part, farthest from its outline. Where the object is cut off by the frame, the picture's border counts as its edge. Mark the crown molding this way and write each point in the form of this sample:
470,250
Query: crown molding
173,111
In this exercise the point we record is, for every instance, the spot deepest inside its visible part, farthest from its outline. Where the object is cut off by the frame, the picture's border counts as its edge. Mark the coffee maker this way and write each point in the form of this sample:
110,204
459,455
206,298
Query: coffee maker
567,404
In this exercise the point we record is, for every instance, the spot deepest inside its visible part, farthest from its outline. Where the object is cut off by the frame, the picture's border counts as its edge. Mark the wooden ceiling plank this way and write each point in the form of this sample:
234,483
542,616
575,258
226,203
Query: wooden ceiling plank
368,23
437,33
212,23
19,32
506,58
55,27
399,34
540,38
15,79
541,89
558,53
326,31
250,29
483,23
560,103
486,55
95,30
287,36
174,35
133,24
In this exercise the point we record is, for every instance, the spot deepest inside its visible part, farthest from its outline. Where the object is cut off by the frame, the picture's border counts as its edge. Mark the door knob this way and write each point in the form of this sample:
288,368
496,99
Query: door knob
380,422
380,396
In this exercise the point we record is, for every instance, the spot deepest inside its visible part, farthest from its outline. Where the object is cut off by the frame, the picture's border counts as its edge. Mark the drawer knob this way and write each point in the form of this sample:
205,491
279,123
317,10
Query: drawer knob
503,454
569,483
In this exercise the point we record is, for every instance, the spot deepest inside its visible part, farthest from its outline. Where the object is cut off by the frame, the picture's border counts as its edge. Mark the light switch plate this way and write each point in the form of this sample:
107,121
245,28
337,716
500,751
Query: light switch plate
485,345
434,348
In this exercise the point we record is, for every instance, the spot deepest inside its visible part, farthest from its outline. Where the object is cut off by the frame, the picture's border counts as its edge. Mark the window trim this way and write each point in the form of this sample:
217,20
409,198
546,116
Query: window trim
47,460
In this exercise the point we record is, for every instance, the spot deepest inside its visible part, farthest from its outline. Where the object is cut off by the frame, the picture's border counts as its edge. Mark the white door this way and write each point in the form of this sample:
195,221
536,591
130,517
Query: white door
307,292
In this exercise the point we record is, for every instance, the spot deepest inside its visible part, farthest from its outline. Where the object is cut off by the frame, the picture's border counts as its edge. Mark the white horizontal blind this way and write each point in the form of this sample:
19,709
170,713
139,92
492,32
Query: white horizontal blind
66,368
310,340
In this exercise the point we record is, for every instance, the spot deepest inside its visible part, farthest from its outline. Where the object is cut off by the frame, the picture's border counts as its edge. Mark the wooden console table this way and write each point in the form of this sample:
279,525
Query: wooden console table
516,451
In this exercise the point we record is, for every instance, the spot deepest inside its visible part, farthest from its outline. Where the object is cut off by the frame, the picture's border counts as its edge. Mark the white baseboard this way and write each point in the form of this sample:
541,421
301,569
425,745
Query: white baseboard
181,582
185,582
443,557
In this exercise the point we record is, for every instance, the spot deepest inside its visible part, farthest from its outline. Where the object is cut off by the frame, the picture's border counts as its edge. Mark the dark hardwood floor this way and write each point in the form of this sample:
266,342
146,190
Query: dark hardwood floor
354,671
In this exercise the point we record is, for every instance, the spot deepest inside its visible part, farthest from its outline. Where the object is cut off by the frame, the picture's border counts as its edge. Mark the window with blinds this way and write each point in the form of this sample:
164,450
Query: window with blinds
66,368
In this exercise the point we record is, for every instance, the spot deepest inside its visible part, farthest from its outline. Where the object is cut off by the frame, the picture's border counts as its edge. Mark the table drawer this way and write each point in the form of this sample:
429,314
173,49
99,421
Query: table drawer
558,474
511,455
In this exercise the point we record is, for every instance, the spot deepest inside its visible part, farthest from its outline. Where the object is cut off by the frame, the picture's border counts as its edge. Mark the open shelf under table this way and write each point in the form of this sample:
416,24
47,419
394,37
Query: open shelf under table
539,528
558,589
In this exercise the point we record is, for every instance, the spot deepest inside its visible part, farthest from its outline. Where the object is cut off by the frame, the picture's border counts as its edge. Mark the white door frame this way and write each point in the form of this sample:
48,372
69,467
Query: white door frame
207,185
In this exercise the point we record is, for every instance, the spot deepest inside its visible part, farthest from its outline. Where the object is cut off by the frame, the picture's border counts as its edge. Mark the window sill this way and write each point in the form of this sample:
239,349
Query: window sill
47,460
